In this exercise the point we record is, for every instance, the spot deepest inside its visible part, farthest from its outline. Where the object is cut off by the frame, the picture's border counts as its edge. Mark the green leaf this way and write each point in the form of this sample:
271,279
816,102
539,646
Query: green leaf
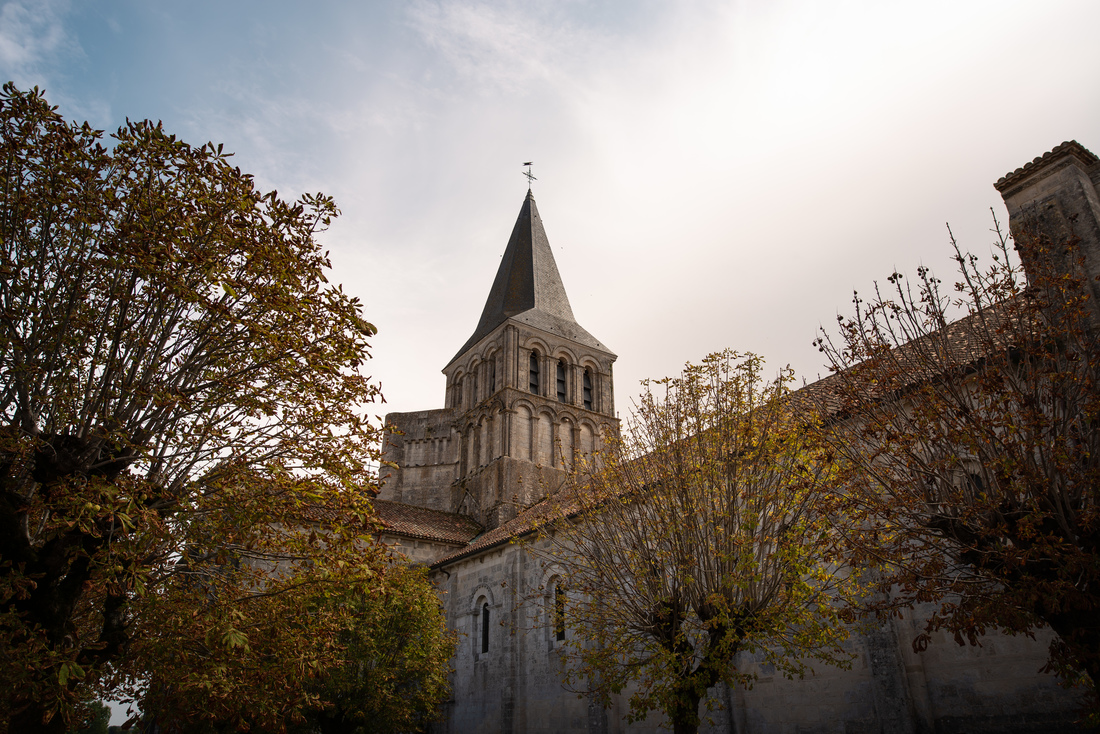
235,638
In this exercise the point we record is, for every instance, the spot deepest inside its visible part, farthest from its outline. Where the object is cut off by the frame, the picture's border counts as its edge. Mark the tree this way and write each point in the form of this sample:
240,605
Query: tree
97,719
699,534
385,670
183,434
248,657
973,446
392,674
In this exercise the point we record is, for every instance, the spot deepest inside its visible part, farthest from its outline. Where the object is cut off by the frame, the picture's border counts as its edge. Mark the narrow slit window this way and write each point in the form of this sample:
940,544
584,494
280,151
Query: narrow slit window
533,371
458,393
588,389
473,388
561,381
484,628
492,377
559,612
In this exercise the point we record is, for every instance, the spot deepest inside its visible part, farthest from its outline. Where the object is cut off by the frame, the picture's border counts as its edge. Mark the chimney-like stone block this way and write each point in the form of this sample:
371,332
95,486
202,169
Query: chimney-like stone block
1053,201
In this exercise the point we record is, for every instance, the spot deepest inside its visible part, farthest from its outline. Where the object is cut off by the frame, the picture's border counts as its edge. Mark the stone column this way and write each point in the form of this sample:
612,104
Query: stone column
889,683
506,431
510,357
578,386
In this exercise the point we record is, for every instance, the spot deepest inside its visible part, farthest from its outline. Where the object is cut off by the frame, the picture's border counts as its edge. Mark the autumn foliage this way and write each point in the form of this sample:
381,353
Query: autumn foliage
183,431
700,534
968,421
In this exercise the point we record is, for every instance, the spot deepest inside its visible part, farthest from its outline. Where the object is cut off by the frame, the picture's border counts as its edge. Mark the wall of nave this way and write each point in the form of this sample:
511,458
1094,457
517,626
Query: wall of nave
509,661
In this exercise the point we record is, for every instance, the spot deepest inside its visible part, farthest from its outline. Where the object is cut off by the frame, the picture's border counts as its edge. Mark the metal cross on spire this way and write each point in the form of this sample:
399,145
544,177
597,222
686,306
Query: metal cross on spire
530,177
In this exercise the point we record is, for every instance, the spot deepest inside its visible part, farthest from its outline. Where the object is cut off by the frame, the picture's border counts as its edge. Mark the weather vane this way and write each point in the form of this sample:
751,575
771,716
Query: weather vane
530,177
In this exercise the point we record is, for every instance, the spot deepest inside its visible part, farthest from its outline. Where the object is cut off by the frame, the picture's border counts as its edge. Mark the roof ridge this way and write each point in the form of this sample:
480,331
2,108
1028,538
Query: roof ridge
514,528
820,394
416,521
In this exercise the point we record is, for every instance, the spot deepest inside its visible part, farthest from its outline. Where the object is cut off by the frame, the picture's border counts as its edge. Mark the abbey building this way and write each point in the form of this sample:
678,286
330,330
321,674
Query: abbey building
527,394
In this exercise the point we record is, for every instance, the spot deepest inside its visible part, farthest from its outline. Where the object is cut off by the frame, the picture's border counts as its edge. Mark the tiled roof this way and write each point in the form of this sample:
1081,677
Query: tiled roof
528,287
420,522
957,342
960,343
333,511
1069,147
521,524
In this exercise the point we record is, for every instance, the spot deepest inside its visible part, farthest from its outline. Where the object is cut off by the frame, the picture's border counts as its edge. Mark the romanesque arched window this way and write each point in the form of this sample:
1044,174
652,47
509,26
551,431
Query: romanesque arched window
458,393
588,389
561,381
533,373
484,628
559,612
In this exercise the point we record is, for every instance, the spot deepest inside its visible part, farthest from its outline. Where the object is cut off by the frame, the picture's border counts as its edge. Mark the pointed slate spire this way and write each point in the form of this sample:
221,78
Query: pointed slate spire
528,287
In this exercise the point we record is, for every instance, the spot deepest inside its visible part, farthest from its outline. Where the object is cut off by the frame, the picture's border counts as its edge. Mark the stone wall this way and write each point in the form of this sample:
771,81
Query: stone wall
516,686
417,551
425,448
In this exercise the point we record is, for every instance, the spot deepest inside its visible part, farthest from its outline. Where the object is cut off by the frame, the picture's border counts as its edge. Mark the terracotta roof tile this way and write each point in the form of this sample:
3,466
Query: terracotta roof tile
957,340
1069,147
960,343
420,522
521,524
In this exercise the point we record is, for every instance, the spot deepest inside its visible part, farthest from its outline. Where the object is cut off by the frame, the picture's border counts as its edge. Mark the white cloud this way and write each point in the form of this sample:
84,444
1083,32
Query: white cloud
497,48
33,38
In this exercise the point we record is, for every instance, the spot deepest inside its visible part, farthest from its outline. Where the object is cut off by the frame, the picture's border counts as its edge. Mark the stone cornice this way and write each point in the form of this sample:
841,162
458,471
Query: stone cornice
1068,149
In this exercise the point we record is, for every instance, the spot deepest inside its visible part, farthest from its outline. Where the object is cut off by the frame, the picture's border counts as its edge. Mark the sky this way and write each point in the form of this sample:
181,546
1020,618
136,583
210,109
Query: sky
710,174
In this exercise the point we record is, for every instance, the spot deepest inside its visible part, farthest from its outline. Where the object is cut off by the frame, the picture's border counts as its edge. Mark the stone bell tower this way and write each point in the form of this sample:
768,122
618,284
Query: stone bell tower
528,396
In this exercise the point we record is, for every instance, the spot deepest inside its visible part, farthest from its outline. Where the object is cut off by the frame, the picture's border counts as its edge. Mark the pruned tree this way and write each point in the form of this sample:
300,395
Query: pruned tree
182,412
973,446
699,534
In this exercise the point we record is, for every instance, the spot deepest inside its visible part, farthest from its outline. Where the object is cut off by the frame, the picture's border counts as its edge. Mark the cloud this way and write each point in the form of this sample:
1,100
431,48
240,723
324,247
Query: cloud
33,39
505,49
483,43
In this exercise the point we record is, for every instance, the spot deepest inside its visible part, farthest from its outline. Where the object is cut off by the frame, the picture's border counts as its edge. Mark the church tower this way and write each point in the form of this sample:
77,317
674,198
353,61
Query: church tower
528,395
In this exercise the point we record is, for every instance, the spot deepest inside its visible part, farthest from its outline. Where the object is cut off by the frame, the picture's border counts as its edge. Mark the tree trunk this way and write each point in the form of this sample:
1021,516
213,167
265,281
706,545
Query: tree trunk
335,723
684,711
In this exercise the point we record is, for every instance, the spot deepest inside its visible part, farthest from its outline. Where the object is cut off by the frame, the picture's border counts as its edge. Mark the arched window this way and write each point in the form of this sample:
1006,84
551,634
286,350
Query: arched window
458,393
561,381
588,389
533,372
484,628
559,612
493,376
